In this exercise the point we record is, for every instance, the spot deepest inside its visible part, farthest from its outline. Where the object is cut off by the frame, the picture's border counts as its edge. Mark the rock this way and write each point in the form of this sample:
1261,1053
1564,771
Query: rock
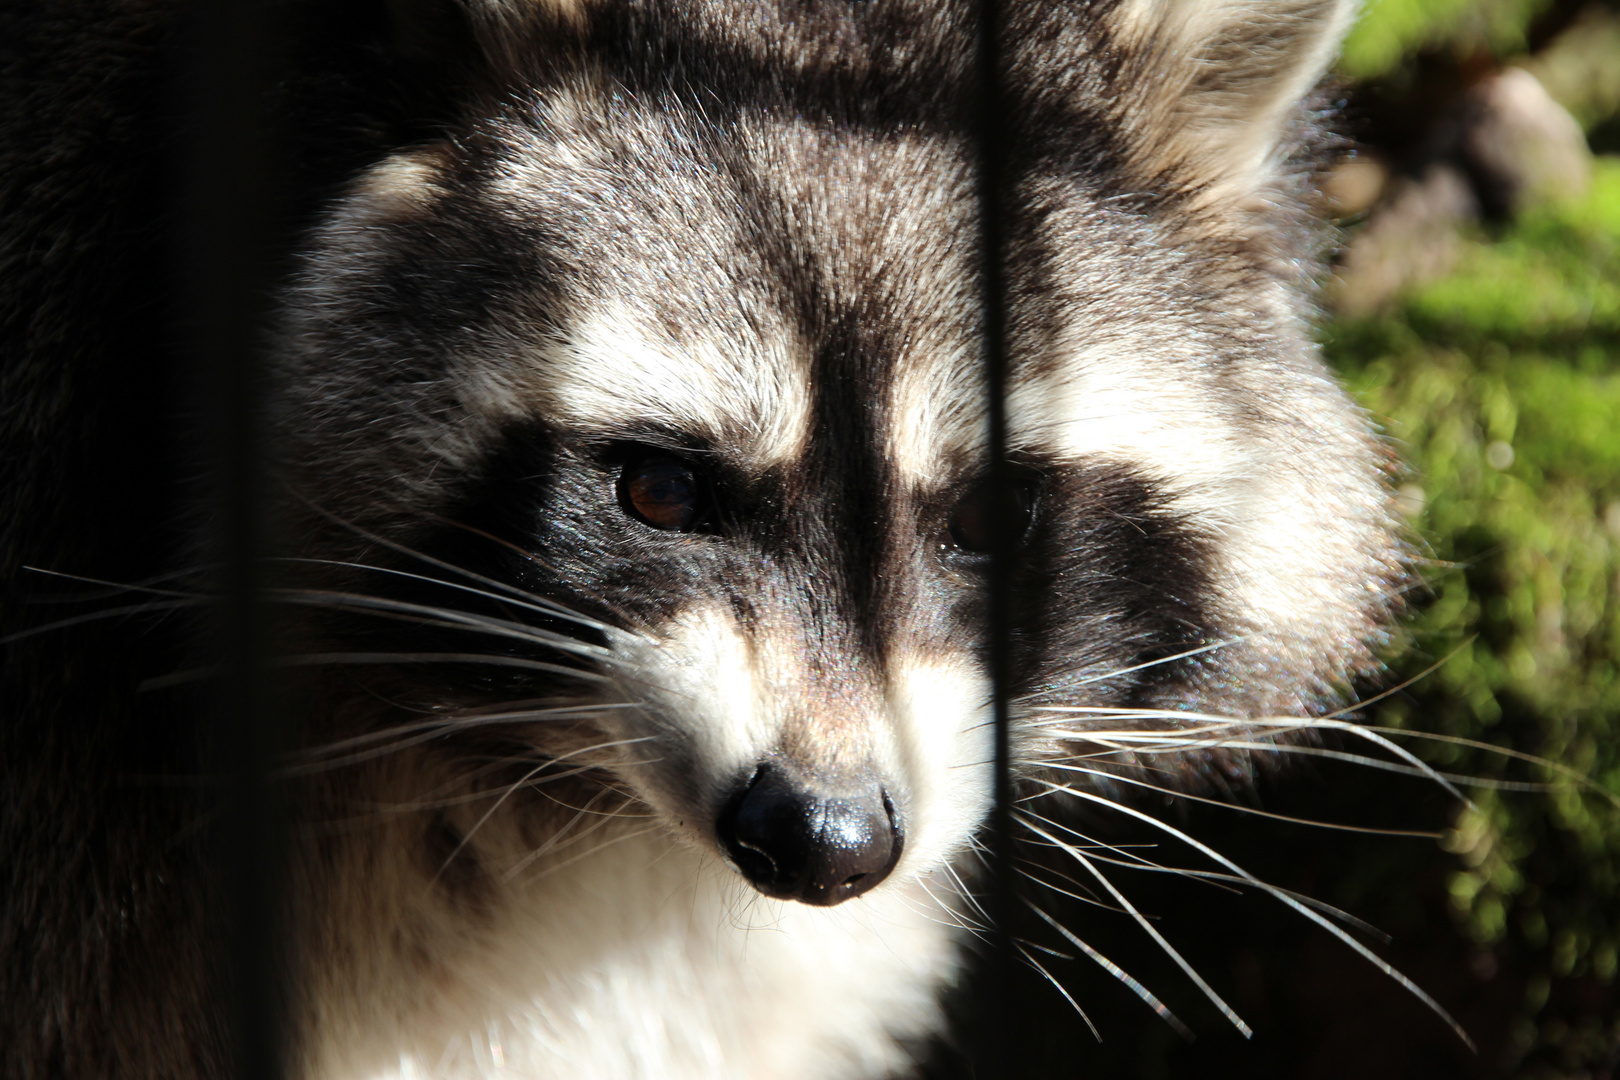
1518,145
1412,238
1506,147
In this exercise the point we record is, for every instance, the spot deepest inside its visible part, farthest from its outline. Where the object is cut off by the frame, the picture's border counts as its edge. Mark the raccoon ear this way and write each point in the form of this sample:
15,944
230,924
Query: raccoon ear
1209,89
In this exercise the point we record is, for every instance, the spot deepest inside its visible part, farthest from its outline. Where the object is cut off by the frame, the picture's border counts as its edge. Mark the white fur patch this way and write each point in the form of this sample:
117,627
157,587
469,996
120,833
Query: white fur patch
722,695
945,745
612,372
703,691
938,417
647,962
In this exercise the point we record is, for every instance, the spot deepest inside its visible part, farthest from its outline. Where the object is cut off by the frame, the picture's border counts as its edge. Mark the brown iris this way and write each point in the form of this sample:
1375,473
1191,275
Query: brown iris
661,491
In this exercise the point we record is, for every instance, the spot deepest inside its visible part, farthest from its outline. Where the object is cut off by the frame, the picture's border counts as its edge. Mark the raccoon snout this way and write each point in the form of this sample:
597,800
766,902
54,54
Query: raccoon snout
822,847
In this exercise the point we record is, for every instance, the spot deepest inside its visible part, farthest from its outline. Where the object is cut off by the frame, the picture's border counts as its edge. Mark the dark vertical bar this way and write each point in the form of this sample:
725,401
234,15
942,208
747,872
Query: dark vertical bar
232,196
998,1045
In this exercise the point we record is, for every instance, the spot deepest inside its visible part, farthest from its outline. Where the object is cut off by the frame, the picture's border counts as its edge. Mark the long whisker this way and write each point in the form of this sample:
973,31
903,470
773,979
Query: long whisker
446,723
1075,1005
1585,782
1403,684
508,595
1127,854
1366,953
554,867
380,658
1172,792
1116,672
485,816
431,732
462,798
117,588
1117,972
1029,868
957,918
437,616
967,894
1152,931
146,608
1218,878
521,552
550,607
1211,736
1423,772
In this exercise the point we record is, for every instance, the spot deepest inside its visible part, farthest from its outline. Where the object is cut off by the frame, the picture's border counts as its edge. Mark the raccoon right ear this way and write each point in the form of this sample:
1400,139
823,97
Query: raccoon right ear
1208,89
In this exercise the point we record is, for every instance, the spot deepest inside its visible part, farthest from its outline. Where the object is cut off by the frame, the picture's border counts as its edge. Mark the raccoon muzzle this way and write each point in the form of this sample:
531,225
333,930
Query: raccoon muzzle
820,844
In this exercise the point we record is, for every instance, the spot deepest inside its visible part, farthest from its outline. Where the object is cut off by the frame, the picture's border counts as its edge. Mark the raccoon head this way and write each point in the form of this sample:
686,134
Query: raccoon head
652,397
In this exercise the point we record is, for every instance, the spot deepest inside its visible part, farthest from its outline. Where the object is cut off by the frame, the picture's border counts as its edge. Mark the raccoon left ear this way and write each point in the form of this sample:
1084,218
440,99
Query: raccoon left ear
1209,88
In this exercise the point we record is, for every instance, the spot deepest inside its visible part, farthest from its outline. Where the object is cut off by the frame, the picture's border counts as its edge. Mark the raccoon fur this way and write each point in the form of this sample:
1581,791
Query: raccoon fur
631,515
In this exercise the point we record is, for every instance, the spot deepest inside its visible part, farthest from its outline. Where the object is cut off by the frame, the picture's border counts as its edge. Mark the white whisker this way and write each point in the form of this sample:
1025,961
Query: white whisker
381,658
1142,921
1315,917
1200,650
485,816
449,723
429,615
547,605
1173,793
1217,878
1075,1005
1117,972
577,856
508,595
147,608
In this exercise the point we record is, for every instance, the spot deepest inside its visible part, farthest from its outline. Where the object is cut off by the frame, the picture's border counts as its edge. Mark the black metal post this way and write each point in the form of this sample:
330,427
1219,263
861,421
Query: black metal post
232,199
996,1043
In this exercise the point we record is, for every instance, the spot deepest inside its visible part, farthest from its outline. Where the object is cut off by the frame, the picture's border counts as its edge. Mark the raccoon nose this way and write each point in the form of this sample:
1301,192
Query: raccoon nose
817,847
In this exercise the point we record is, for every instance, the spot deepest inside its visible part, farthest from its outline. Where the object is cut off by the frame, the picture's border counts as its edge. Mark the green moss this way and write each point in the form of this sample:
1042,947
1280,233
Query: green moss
1501,383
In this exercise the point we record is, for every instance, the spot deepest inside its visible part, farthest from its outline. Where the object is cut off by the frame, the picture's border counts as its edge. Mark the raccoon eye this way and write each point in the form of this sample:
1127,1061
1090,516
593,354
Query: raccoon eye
661,491
972,521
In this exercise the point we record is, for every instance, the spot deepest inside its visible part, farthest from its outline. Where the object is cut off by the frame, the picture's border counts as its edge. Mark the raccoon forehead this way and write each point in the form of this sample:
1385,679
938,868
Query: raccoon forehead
808,240
887,226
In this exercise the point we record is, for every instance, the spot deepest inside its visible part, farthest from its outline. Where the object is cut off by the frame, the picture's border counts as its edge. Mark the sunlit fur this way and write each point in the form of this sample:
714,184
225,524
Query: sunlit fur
746,235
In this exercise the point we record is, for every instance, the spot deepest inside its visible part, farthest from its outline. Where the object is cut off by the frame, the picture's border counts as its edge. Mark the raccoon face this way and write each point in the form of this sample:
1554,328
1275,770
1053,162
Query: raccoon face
680,419
673,422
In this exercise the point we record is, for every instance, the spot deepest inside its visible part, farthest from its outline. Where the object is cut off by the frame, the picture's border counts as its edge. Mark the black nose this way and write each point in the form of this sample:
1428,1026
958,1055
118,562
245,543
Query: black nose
819,847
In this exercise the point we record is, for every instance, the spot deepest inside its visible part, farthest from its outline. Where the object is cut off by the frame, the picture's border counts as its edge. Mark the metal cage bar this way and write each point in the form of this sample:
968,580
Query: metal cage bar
996,1045
232,200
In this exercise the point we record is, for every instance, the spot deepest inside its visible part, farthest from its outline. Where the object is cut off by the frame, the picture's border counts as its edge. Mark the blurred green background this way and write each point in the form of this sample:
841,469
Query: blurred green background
1500,383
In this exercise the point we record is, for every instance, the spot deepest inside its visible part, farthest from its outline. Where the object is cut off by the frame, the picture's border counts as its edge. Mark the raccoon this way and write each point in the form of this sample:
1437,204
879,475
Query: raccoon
633,514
